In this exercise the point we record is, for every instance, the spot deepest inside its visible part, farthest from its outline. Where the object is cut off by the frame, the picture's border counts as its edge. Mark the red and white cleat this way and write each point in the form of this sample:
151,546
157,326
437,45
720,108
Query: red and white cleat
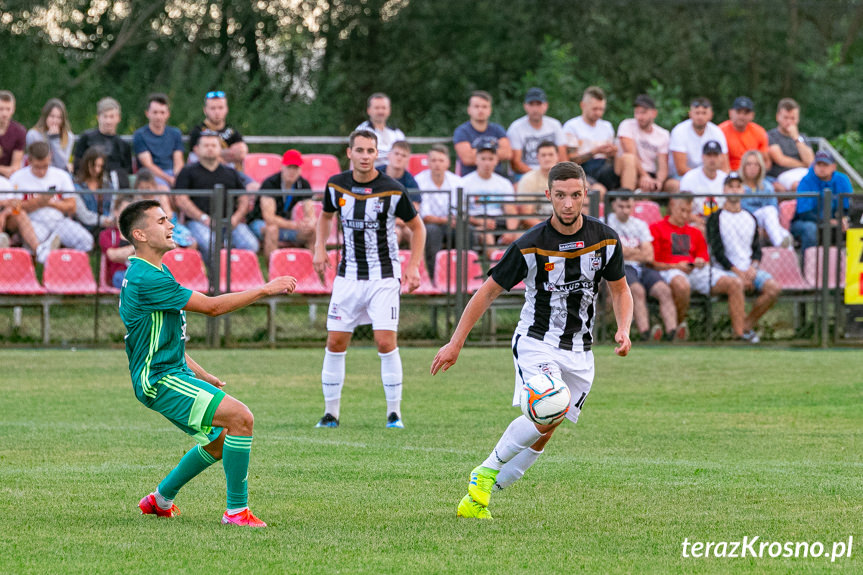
148,506
244,518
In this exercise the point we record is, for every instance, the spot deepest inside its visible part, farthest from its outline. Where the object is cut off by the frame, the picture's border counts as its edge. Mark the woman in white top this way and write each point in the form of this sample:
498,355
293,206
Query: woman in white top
53,127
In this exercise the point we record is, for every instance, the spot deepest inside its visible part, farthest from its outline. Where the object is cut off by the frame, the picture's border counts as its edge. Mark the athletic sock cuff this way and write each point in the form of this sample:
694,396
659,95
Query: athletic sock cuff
389,353
238,442
209,459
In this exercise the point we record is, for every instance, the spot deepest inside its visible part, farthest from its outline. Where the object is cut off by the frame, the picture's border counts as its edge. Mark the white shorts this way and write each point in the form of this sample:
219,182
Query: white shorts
701,280
359,302
575,368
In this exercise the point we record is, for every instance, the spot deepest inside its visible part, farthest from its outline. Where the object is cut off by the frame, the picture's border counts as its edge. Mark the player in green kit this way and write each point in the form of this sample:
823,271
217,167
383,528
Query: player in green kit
153,308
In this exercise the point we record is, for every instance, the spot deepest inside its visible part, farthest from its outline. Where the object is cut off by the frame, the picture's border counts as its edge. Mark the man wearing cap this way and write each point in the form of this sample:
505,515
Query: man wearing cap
271,219
822,176
526,133
742,134
205,174
789,152
484,186
732,233
706,183
378,108
234,149
479,112
590,142
688,139
641,137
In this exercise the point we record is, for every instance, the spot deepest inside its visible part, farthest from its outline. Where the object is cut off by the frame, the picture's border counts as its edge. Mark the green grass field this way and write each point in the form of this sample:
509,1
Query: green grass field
709,444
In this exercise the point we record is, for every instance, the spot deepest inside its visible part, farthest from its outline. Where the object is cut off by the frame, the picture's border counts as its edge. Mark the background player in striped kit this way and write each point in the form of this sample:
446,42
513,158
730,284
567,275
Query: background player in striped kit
561,261
366,289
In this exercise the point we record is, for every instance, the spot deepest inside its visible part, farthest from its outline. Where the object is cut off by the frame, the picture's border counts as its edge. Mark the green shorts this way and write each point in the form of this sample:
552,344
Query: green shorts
188,403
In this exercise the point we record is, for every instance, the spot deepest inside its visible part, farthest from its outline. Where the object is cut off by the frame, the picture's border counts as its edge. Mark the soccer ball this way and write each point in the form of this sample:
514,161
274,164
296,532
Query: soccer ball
544,399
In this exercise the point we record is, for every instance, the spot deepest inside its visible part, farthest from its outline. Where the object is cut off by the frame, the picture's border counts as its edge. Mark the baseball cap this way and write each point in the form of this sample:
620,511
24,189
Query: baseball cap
733,176
824,157
292,158
644,101
743,103
485,143
535,95
711,147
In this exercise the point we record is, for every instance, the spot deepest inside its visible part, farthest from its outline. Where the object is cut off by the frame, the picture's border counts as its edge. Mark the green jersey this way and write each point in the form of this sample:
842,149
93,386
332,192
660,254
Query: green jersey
151,307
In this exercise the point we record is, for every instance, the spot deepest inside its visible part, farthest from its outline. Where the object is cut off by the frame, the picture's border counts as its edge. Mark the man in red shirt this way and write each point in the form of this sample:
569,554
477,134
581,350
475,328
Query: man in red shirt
742,134
680,254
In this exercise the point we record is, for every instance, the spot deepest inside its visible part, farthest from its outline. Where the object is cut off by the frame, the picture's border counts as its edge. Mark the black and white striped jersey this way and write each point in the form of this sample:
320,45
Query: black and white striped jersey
368,214
561,275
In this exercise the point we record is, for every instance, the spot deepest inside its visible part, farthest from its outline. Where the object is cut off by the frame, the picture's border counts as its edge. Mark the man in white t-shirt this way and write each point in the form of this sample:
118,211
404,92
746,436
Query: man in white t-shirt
378,109
526,133
688,139
14,220
641,137
535,183
590,142
49,212
705,183
643,280
439,202
483,190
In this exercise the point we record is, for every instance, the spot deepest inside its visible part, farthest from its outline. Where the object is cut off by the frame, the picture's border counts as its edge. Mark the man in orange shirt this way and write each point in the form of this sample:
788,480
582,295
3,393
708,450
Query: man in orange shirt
742,134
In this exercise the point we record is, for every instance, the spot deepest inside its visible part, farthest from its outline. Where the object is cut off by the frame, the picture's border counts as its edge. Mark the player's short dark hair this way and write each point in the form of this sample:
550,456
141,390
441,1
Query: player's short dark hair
401,145
131,216
481,94
362,134
157,97
546,144
566,171
787,104
39,150
439,148
376,96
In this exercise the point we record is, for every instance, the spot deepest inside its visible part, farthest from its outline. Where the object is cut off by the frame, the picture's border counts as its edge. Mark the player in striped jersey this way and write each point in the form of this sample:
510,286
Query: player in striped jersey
561,262
165,379
366,289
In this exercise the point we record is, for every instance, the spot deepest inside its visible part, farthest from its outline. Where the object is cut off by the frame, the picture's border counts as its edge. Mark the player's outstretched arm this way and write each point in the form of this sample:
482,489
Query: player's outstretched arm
228,302
418,242
202,373
621,300
481,300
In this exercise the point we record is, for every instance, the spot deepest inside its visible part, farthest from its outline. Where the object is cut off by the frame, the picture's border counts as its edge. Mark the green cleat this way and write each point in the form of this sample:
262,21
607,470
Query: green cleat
470,508
481,482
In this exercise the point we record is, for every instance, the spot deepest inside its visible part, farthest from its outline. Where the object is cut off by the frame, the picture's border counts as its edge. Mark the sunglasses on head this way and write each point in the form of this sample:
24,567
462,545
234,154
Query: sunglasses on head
215,94
698,103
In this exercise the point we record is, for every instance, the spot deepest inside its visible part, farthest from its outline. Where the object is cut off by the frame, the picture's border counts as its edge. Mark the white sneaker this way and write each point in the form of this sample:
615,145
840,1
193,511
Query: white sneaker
751,336
4,240
45,248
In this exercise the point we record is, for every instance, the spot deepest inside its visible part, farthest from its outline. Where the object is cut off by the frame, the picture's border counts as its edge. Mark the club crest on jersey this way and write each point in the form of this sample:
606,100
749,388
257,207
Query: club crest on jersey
545,368
571,246
361,191
595,263
342,202
549,266
379,206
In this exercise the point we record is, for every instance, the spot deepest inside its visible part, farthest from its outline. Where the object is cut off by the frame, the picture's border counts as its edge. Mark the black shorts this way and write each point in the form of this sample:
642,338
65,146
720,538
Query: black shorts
648,277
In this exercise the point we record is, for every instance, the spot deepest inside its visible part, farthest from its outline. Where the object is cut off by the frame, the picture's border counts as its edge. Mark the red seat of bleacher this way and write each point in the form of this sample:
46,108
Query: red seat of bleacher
68,272
245,271
426,286
647,211
782,264
496,256
813,265
297,262
17,274
318,168
786,213
417,163
445,270
188,269
259,167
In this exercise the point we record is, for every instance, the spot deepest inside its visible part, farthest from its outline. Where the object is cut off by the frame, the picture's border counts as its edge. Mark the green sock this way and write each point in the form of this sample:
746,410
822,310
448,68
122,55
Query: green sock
235,460
193,463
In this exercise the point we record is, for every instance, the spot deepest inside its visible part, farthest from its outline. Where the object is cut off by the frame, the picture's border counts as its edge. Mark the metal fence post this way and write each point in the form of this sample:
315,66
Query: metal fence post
460,247
217,208
824,253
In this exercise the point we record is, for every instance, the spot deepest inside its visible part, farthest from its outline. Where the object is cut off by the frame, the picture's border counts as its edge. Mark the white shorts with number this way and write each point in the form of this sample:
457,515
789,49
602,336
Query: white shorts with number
575,368
359,302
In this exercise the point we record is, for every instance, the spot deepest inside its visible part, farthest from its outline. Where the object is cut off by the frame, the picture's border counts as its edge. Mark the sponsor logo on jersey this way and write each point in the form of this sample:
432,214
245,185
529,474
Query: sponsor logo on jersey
595,263
549,266
342,202
570,246
359,190
360,224
567,287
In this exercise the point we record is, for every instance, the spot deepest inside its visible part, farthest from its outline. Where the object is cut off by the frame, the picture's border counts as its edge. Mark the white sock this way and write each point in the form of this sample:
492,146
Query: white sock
164,504
515,468
235,511
391,376
332,381
520,434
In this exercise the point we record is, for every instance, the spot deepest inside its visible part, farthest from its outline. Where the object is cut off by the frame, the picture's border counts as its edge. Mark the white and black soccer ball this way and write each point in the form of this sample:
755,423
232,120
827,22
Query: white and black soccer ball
544,399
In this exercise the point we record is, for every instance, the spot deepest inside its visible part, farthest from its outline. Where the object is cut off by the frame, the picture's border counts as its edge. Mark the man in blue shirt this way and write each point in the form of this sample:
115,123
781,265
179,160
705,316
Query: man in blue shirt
479,111
822,176
158,146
